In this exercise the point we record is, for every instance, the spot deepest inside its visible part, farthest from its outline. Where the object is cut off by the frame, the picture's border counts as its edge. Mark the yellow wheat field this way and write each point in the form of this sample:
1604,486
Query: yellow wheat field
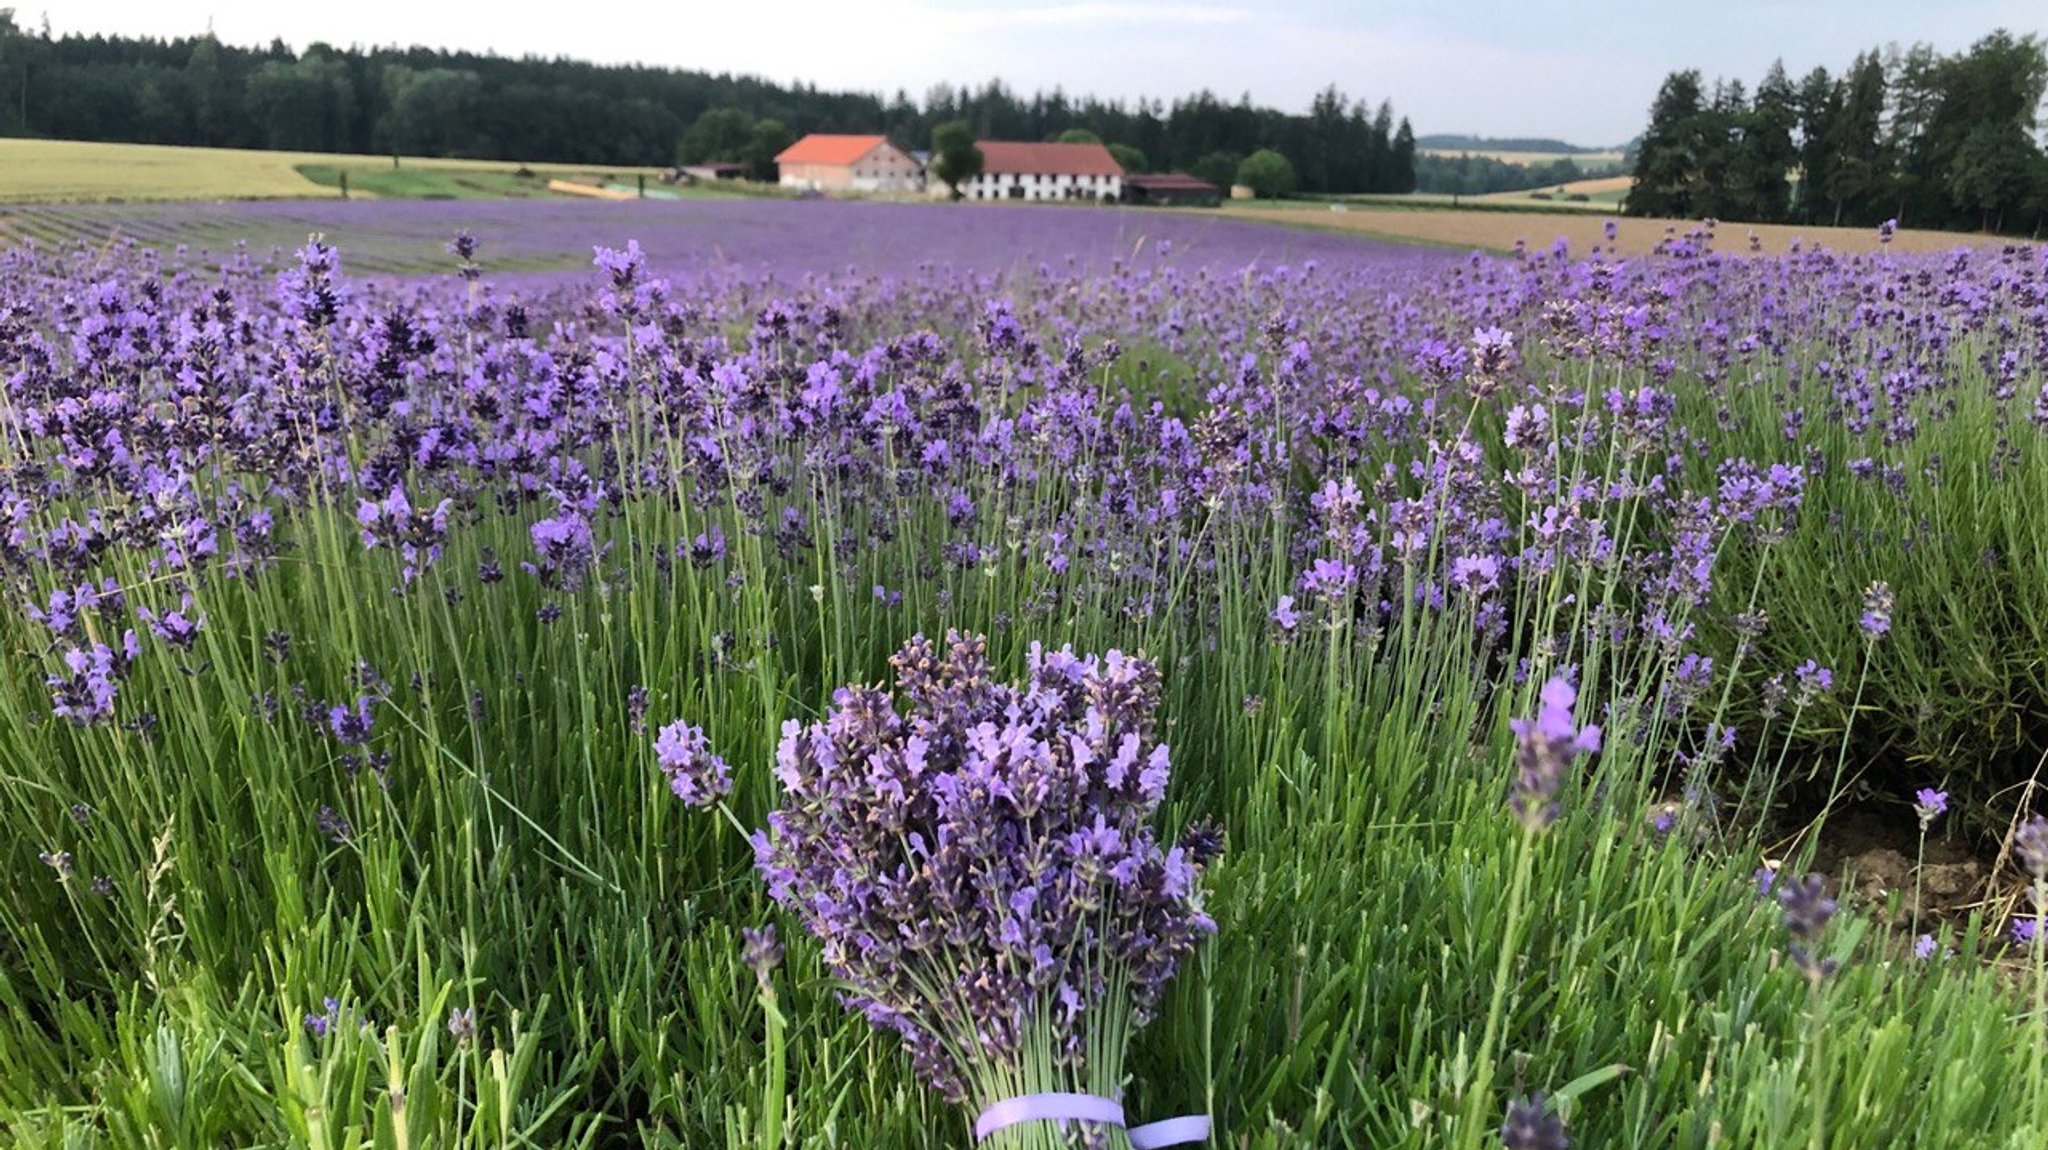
1499,231
68,171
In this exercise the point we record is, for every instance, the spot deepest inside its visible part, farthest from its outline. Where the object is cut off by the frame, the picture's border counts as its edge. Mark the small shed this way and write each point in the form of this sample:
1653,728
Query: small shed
712,173
1172,188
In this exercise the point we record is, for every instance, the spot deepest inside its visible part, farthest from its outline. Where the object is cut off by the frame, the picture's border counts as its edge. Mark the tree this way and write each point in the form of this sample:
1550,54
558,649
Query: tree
1766,153
1820,104
766,142
216,106
1990,172
955,159
1268,174
1668,164
1978,147
1078,136
1401,162
1380,173
432,112
17,65
1855,178
719,136
1128,158
1716,137
305,106
1218,168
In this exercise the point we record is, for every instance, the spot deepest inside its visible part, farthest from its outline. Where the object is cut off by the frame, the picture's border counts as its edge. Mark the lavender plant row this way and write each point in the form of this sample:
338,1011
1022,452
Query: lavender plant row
344,616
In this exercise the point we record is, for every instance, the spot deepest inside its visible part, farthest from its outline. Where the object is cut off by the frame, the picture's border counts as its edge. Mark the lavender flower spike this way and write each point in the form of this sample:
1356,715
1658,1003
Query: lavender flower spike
1930,805
978,863
1531,1125
1807,911
697,776
1877,610
1544,748
2030,842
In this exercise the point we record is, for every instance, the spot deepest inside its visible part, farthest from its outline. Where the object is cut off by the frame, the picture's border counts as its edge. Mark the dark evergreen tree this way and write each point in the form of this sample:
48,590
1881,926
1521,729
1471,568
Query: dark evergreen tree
1820,104
1981,135
1668,163
1767,153
1912,135
1401,172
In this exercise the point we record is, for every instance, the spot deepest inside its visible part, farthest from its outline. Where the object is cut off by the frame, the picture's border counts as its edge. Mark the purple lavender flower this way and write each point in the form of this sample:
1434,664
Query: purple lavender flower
1493,360
308,292
565,548
59,861
1544,747
2030,842
762,952
1929,804
2025,930
1924,947
696,775
1814,682
320,1025
1877,610
989,844
351,726
707,548
334,825
1531,1125
462,1024
177,629
1285,616
1807,911
84,694
622,266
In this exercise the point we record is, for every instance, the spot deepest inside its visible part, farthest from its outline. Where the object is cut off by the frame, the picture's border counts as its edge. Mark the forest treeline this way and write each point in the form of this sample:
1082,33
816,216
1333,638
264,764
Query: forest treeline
418,101
1929,140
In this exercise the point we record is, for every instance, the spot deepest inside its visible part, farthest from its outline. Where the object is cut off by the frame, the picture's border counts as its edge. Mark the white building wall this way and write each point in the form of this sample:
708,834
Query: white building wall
1064,186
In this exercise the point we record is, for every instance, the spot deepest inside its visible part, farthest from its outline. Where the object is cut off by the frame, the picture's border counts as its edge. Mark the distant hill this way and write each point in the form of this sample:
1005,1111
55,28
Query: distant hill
1457,143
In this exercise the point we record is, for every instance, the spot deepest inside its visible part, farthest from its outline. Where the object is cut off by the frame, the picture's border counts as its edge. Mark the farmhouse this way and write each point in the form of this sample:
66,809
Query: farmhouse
1016,171
827,163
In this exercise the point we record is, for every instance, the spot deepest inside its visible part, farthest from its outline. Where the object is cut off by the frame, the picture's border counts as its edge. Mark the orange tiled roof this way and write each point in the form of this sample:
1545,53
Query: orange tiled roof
1004,157
819,148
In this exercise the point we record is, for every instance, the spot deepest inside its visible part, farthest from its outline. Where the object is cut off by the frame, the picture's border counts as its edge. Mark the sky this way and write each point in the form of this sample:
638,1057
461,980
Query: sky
1581,70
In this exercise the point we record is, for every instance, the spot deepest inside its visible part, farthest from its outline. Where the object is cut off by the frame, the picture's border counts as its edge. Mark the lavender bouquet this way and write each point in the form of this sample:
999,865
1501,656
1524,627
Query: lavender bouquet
981,869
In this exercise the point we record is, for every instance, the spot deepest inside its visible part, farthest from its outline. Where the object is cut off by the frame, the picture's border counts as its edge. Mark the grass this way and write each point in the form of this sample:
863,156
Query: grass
382,181
63,171
422,180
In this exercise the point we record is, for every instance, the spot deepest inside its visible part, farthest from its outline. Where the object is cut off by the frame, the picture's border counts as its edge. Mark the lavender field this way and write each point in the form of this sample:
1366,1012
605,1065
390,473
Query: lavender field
841,675
750,238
